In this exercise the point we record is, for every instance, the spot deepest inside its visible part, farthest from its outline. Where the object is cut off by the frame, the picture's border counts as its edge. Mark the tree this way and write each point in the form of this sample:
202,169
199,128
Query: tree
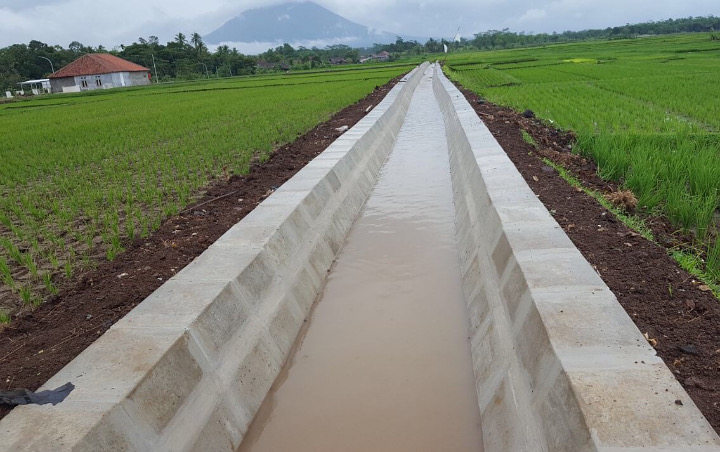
181,39
75,47
197,42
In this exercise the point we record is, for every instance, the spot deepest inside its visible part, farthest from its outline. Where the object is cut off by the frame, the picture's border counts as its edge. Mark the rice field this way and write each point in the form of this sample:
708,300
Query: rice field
81,174
646,110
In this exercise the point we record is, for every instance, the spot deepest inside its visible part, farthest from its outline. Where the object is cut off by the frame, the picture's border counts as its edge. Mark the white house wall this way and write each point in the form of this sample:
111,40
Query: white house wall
113,80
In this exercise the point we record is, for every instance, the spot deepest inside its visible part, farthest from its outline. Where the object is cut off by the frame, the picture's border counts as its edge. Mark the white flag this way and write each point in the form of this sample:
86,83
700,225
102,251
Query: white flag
457,37
445,46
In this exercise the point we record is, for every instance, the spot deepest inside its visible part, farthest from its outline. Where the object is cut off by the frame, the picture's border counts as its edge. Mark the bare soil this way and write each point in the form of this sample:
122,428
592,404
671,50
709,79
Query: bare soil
681,319
37,344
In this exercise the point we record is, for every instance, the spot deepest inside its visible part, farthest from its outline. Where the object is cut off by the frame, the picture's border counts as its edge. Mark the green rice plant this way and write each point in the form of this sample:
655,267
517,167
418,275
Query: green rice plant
680,207
610,152
130,226
642,180
63,179
647,118
49,286
6,274
4,317
53,260
26,295
712,260
12,250
30,264
705,206
114,249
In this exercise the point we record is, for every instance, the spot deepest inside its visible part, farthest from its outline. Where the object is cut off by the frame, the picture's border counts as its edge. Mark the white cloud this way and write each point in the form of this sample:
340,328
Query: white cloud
533,15
254,48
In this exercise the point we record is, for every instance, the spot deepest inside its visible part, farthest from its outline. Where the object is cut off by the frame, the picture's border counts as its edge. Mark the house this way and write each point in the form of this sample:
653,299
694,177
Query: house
380,56
383,56
98,71
336,61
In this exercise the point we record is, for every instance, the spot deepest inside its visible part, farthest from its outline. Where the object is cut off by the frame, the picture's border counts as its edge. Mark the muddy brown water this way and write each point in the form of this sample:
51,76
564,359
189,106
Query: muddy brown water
384,361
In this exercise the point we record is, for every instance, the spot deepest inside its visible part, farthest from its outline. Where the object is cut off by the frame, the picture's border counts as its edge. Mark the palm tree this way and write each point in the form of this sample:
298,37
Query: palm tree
181,39
197,41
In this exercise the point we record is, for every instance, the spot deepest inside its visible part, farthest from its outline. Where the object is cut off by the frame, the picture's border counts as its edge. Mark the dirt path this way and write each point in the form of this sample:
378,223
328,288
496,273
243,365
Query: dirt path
663,300
38,344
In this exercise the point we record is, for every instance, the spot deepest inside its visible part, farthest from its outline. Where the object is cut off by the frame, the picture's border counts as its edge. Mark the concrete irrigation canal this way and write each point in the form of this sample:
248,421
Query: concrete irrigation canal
405,291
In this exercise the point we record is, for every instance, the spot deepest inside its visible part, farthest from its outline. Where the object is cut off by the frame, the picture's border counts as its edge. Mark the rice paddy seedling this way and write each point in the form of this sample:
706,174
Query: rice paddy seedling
26,295
649,120
47,280
96,170
712,259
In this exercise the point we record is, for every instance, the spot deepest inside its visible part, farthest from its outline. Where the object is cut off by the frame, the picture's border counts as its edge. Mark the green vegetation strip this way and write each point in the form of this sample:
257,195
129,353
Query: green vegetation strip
80,174
644,109
632,221
689,262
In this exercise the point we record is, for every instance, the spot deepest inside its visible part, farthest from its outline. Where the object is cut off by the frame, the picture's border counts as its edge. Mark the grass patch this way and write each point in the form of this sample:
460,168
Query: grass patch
528,138
704,270
633,222
695,266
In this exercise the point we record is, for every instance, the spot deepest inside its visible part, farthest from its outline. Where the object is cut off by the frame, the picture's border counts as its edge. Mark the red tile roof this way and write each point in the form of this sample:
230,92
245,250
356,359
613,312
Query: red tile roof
98,63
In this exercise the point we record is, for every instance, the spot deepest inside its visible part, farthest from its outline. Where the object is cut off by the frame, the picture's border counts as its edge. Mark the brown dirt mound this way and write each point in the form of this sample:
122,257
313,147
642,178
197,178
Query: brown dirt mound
681,320
38,344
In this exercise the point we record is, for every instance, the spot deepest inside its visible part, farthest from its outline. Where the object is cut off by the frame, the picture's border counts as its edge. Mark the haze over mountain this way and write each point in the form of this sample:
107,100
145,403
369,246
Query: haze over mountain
298,24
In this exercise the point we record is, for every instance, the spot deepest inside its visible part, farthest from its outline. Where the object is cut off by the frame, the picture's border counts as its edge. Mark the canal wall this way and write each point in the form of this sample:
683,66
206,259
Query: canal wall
559,365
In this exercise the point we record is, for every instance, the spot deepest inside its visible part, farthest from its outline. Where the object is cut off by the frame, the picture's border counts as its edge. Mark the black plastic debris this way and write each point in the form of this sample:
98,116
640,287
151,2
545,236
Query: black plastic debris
689,349
27,397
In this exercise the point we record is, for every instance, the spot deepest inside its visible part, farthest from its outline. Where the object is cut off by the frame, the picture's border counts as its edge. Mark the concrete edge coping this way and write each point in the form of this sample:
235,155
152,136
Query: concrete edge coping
190,365
578,351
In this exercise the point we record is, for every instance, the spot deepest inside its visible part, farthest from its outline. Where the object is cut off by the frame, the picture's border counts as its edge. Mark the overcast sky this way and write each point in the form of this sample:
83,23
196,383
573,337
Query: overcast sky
94,22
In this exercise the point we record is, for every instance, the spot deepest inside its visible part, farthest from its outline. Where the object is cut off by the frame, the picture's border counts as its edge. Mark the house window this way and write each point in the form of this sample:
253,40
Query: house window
98,82
83,82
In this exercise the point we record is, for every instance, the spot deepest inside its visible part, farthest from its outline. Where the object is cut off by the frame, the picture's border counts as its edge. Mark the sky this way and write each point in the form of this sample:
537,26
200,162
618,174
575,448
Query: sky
100,22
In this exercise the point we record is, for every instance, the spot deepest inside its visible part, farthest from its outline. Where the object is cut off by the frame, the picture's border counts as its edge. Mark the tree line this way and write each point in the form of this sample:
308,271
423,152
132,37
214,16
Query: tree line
501,39
187,57
506,39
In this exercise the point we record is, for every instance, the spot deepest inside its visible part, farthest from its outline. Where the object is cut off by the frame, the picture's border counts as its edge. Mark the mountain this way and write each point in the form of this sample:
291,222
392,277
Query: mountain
306,23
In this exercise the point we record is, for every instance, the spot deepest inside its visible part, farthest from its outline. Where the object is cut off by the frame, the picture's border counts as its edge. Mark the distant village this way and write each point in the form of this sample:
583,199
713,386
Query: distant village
104,71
